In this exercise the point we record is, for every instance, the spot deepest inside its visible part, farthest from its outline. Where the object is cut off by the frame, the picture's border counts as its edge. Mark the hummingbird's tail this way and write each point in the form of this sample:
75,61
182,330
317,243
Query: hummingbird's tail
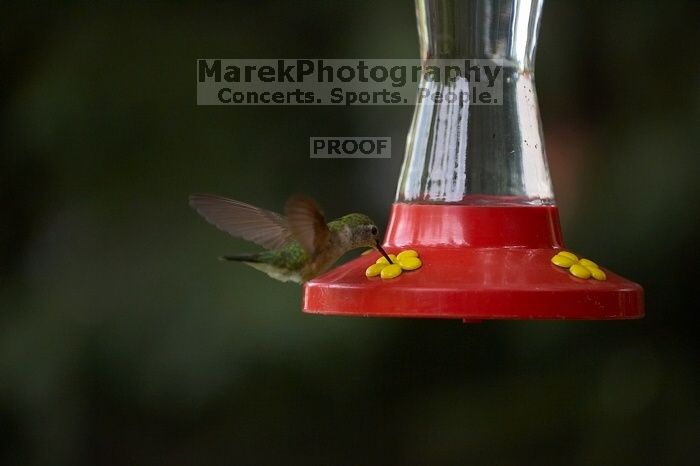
246,257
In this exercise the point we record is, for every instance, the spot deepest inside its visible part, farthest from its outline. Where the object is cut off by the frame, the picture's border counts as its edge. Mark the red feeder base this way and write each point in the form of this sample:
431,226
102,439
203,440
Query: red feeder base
479,262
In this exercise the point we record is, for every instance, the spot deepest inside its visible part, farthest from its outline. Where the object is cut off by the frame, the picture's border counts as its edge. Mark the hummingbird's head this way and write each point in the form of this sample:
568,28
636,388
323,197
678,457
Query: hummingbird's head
359,231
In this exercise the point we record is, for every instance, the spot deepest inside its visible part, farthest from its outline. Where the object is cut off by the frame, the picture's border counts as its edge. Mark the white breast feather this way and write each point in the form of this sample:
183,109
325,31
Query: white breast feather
276,273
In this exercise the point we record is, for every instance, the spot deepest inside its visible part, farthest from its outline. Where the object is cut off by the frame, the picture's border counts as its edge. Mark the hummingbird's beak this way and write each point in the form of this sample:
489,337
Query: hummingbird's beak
381,249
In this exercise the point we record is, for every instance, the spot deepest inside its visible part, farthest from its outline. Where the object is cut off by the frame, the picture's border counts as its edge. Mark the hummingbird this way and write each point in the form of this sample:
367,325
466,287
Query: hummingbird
299,245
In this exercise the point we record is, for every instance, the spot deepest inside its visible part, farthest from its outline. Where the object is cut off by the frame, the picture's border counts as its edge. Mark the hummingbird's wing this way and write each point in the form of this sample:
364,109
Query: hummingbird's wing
307,224
268,229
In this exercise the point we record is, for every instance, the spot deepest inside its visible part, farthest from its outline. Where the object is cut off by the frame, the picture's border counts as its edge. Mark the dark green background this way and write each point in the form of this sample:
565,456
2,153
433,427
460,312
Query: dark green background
124,341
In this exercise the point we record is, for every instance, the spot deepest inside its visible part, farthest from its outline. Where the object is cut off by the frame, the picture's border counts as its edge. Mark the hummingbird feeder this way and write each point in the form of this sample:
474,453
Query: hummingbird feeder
475,197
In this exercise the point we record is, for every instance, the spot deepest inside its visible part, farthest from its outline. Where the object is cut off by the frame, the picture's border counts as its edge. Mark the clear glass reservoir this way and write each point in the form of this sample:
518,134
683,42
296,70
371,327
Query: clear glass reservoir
462,153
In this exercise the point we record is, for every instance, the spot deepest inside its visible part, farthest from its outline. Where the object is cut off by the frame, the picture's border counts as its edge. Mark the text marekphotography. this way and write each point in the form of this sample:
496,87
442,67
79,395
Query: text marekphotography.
350,82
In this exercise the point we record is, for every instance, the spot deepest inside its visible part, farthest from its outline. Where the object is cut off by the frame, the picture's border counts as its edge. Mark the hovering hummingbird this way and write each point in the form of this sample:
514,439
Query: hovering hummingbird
299,245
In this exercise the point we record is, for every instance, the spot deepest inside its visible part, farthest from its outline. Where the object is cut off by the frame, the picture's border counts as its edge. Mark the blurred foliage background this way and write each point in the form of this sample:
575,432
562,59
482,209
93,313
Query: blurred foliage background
124,341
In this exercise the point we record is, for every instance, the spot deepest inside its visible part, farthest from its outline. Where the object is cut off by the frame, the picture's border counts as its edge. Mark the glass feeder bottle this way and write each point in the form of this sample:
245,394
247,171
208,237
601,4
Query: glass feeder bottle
475,197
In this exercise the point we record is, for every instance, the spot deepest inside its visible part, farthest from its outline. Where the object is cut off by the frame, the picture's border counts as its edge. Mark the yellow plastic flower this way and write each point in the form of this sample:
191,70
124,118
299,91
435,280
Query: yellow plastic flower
581,268
405,260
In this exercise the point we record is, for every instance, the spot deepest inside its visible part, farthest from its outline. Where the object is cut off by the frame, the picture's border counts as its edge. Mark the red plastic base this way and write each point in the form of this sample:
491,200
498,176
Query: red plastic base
478,263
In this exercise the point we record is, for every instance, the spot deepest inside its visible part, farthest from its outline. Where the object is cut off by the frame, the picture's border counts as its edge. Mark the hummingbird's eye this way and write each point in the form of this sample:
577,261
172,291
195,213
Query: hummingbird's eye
374,231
